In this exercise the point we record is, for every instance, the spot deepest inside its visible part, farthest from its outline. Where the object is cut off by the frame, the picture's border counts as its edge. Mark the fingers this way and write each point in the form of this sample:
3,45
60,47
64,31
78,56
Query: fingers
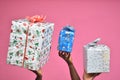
60,53
96,74
90,75
64,54
33,71
68,55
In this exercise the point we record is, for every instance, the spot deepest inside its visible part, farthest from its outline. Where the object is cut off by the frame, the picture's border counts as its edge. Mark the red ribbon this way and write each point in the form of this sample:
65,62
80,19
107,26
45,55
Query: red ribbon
36,18
24,57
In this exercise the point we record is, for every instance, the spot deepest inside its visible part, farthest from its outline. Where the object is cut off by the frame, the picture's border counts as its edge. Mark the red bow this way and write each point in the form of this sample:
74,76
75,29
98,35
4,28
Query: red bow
36,18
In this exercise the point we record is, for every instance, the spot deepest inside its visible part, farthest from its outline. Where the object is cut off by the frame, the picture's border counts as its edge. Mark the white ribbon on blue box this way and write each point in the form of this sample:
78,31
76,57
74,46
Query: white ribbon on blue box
66,38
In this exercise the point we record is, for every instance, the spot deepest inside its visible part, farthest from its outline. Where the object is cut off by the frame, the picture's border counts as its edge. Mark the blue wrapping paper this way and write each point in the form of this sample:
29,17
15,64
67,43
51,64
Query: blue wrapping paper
66,38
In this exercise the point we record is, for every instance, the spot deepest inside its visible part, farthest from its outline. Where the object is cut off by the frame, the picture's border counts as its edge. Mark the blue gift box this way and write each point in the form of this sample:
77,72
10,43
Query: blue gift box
66,38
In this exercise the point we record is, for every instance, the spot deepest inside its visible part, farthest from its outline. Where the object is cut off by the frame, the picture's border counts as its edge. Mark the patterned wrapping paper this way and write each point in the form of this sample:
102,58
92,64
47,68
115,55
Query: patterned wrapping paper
96,57
66,38
29,43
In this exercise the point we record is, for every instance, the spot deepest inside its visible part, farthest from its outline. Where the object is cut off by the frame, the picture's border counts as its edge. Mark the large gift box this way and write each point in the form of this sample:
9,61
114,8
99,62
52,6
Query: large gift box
30,43
96,57
66,38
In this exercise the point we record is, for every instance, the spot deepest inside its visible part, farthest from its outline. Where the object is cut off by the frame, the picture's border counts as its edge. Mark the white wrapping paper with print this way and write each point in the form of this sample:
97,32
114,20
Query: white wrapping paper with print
29,43
96,57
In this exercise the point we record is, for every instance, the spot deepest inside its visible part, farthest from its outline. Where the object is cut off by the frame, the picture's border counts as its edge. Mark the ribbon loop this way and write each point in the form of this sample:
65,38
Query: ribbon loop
94,43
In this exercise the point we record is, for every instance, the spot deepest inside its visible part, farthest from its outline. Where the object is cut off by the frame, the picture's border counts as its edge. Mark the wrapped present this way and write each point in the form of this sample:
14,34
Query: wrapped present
96,57
66,38
30,43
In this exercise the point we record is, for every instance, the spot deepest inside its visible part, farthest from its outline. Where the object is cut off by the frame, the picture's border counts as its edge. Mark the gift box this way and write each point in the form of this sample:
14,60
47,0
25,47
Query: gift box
96,57
66,38
30,43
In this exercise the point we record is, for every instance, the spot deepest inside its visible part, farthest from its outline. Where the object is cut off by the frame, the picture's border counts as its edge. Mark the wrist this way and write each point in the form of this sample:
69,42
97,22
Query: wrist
70,63
87,79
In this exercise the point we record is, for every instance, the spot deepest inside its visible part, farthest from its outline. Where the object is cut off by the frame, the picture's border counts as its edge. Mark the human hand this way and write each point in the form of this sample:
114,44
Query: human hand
38,74
66,56
89,76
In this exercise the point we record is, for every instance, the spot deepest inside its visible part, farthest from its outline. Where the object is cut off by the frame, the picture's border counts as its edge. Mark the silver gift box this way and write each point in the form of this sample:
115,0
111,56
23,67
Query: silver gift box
96,57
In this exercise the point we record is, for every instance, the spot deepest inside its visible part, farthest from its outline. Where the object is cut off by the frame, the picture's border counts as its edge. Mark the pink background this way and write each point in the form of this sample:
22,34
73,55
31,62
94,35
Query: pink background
91,19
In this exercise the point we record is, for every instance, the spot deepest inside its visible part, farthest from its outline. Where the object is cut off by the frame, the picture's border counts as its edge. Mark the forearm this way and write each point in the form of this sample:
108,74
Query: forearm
73,73
38,74
38,77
